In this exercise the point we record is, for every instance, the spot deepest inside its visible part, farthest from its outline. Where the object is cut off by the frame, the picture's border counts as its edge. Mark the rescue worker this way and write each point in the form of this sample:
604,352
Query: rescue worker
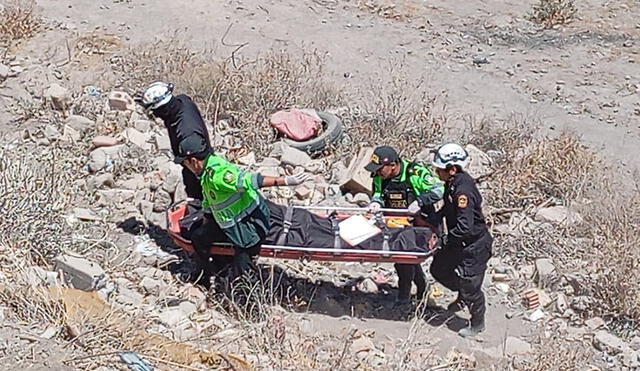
461,264
238,211
182,119
400,184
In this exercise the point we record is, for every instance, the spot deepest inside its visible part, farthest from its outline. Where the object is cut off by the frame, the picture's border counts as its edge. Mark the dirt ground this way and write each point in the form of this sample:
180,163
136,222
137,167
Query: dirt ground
583,77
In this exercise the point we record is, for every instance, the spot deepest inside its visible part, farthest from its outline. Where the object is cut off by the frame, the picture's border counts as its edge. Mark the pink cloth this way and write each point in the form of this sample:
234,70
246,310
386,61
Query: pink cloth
296,124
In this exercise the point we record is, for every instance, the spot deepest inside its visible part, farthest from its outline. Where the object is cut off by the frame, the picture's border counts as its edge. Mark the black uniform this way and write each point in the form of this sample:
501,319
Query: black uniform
461,264
182,119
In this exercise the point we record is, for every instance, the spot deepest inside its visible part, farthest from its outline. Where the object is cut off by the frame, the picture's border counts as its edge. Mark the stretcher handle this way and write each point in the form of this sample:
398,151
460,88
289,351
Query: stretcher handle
355,209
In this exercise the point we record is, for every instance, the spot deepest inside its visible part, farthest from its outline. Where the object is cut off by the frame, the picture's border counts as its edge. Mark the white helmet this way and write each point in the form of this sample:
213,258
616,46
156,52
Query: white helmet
450,154
157,95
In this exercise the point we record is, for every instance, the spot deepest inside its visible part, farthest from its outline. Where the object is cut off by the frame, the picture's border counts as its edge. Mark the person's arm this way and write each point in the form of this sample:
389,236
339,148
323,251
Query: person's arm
464,221
289,180
427,186
377,190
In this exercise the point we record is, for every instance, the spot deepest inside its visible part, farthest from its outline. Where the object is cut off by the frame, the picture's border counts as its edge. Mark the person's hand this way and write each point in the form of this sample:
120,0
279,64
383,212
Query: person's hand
296,179
375,207
414,207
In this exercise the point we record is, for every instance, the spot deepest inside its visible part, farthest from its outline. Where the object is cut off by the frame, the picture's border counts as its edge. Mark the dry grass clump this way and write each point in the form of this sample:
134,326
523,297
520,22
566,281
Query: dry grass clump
19,20
403,11
37,190
613,218
556,353
549,13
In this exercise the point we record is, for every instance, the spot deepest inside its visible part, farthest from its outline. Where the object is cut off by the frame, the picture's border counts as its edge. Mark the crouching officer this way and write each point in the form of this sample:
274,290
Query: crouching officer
238,210
461,264
400,184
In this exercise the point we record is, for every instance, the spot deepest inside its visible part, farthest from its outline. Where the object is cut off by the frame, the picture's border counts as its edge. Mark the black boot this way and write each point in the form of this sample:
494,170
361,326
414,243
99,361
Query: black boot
472,330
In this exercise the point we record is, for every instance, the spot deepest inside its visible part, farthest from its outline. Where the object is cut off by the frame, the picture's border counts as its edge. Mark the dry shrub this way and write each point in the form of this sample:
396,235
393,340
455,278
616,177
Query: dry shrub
556,353
18,20
613,220
247,92
403,11
549,13
37,190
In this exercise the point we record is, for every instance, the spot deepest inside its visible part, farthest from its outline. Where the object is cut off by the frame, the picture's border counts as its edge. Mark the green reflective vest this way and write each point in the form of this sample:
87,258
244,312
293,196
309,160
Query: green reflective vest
414,177
230,193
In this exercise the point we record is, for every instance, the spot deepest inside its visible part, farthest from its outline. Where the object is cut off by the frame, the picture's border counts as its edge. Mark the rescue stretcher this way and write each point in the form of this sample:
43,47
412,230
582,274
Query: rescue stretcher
179,210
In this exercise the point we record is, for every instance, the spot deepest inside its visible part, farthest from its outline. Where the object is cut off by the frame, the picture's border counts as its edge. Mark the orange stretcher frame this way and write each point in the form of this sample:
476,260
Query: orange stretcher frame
176,212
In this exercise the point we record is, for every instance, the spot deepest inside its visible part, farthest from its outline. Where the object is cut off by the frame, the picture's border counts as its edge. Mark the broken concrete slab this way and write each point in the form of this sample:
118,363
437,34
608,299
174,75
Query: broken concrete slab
81,273
357,179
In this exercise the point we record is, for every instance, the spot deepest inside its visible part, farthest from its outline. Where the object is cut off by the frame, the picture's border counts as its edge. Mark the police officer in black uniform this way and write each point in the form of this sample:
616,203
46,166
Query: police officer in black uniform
461,264
182,119
400,184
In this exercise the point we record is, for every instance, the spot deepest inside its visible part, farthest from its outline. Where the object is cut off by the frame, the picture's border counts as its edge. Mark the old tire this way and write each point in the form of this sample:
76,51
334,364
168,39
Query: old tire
331,133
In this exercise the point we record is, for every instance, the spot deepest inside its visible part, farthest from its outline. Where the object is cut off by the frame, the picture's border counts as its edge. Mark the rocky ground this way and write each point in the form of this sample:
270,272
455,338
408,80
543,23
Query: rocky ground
76,149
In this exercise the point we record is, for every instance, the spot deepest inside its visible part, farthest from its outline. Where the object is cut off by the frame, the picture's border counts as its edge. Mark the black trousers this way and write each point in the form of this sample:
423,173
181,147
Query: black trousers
407,274
445,268
208,233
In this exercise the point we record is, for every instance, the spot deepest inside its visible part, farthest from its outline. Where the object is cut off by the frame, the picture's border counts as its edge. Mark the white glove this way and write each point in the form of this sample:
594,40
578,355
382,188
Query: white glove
414,207
296,179
374,207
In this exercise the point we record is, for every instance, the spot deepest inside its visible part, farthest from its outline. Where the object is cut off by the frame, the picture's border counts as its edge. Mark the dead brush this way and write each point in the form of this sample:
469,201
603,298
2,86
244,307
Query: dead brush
549,13
556,353
403,11
19,20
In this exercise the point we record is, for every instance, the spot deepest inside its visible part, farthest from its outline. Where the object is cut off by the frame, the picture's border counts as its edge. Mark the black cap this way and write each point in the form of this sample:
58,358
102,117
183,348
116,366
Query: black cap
192,145
382,155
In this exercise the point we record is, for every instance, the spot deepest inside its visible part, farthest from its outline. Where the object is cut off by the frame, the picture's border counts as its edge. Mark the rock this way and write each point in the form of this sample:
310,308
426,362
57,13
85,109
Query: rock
269,171
162,143
59,97
558,215
303,192
121,101
149,272
100,181
114,197
85,214
247,160
136,182
609,343
4,72
594,323
51,133
515,346
338,172
357,179
36,276
294,157
173,180
361,199
504,287
545,272
314,167
79,272
127,296
79,123
139,139
479,164
104,141
98,160
269,161
146,209
536,315
278,149
70,134
631,359
362,344
161,200
152,286
367,286
562,304
142,125
634,343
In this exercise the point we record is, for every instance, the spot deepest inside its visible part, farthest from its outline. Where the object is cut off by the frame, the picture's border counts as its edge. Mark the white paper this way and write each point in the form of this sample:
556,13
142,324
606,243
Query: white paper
357,229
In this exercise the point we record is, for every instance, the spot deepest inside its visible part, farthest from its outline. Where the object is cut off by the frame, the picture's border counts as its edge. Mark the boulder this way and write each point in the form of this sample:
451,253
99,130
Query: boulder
479,162
121,101
79,272
58,96
98,160
558,215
